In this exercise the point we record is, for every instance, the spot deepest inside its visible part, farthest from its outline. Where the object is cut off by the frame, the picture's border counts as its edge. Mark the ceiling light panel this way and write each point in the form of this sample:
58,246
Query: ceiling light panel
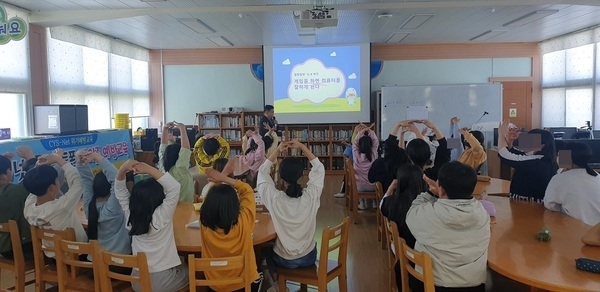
397,37
196,25
530,17
416,20
221,41
488,35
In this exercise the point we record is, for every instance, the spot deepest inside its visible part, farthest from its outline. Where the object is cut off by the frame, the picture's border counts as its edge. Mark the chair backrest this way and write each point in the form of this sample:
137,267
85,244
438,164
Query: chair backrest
138,261
333,238
67,256
421,259
350,178
12,229
394,251
379,191
219,264
42,241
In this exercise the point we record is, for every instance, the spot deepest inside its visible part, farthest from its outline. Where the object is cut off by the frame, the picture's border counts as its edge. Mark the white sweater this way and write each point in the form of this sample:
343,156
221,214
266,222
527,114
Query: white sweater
456,234
294,219
575,193
58,214
159,242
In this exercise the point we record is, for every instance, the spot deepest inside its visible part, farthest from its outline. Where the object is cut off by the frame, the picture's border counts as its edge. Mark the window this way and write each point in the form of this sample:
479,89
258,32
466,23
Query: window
108,83
14,114
570,81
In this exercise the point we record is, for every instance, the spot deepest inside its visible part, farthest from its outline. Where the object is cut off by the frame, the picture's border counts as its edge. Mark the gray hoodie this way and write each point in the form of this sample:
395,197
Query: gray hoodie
456,234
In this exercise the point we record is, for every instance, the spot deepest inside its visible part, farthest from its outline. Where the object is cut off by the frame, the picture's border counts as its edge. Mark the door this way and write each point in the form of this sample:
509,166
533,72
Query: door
516,102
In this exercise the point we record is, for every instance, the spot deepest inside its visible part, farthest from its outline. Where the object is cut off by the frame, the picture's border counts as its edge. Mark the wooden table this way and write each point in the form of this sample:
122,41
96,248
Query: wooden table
515,252
189,240
495,187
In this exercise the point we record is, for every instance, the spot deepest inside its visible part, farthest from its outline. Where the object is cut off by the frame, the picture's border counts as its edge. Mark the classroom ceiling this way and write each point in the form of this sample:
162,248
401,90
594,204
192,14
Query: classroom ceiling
157,24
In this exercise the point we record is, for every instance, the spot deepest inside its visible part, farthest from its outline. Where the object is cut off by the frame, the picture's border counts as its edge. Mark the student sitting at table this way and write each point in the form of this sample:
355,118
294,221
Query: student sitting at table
174,158
227,222
254,156
384,168
532,170
453,228
106,222
474,154
209,148
293,211
13,198
574,191
270,139
364,152
219,166
42,207
398,199
149,211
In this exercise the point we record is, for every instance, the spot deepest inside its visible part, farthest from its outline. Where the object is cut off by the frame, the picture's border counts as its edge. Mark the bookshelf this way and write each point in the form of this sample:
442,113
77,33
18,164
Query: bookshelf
323,140
230,126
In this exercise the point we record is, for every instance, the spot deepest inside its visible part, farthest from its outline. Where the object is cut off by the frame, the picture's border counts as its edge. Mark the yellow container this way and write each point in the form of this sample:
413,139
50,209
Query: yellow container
122,121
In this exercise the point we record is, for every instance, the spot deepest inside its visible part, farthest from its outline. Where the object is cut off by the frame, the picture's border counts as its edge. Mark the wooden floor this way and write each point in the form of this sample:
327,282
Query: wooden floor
366,260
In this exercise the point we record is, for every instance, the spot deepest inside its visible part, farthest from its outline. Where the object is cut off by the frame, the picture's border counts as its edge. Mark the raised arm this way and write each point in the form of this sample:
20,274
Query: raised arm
121,191
224,149
87,179
438,134
163,214
316,176
185,141
473,142
244,190
164,138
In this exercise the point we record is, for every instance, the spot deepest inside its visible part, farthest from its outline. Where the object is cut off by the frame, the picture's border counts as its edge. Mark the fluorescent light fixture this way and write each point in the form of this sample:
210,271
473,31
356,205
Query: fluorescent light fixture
488,35
397,37
221,41
196,25
530,17
416,20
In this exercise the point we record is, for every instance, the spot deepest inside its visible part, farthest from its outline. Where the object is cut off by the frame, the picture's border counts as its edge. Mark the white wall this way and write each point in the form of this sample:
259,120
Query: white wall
190,89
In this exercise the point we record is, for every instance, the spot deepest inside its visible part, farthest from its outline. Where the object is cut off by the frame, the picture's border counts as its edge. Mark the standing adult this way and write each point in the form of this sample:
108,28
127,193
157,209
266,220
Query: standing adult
268,121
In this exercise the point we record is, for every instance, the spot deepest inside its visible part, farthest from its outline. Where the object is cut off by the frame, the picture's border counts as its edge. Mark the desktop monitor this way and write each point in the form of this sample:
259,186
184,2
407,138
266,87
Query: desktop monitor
60,119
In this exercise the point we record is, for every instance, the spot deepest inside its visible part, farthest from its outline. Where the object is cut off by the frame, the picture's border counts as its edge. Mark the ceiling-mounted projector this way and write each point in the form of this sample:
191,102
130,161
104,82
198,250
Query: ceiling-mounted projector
319,16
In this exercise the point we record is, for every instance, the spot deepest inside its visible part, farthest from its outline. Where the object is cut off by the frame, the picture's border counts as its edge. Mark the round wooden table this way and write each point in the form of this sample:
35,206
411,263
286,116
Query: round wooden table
494,187
515,252
188,239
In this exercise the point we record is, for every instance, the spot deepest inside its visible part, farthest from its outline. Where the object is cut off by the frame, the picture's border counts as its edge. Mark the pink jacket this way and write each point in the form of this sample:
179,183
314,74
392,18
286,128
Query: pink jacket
361,163
255,158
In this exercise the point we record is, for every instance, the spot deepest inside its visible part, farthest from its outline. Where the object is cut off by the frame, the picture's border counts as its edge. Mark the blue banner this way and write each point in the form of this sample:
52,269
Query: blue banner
114,145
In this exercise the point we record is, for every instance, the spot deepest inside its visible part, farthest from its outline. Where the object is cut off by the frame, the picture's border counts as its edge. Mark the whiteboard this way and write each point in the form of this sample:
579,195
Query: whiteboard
467,101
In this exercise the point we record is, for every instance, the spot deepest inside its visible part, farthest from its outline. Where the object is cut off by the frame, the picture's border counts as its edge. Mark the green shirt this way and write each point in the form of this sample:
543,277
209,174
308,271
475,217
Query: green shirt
180,172
12,198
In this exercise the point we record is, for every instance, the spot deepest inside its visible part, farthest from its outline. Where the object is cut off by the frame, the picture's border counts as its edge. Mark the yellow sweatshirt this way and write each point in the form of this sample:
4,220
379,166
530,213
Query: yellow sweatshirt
204,161
475,155
215,243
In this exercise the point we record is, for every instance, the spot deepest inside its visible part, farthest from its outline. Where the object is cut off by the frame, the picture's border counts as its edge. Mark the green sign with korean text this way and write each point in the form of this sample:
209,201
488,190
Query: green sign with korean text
14,28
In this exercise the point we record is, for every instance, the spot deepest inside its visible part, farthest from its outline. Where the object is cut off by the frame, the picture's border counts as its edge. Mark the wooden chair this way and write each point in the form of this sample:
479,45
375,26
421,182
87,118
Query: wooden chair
355,195
17,265
219,264
41,240
67,258
421,259
106,259
324,270
391,230
380,223
140,261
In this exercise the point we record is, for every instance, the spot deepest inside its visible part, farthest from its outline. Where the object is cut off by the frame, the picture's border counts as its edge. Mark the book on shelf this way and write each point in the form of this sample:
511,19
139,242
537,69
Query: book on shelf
231,122
338,149
233,152
319,135
338,163
342,135
320,149
209,121
232,135
252,120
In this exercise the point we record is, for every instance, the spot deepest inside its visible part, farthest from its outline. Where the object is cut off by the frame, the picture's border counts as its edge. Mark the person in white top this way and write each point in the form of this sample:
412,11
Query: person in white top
42,207
293,211
575,190
149,211
453,228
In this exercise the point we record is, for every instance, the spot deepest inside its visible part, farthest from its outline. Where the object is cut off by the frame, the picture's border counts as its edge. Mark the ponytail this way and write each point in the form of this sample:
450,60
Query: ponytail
92,230
293,190
253,146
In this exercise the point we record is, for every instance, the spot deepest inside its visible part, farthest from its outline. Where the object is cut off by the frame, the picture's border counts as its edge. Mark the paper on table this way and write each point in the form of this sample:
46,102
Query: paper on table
417,113
193,224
